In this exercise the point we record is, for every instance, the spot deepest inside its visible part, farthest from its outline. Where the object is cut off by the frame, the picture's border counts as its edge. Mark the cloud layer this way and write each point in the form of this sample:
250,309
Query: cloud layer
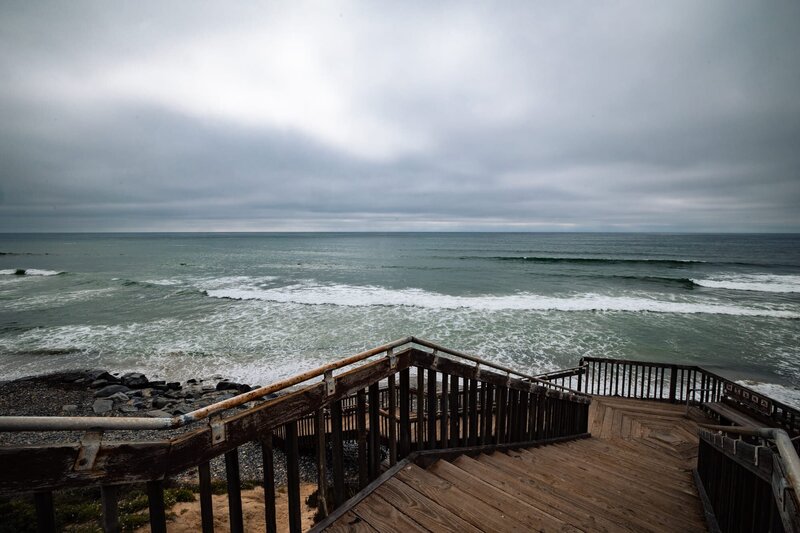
670,116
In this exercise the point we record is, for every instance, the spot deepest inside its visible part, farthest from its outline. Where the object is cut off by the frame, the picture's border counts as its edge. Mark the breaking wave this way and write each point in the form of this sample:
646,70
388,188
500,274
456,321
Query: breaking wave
589,260
753,282
29,272
368,296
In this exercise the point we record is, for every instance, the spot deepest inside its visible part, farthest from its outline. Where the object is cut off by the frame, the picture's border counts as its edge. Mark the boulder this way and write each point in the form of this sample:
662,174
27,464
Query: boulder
158,403
134,380
108,390
102,406
128,408
119,397
174,385
69,408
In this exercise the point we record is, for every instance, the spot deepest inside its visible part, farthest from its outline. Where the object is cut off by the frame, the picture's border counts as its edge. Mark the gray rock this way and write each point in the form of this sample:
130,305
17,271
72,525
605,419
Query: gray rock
158,403
136,393
157,413
102,406
109,390
96,384
182,409
69,408
134,379
209,388
174,394
128,408
101,374
174,385
119,397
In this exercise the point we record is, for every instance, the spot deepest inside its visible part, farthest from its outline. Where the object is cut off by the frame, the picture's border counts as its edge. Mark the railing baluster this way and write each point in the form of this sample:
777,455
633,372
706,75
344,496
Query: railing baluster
293,477
464,411
322,471
361,423
234,491
405,424
454,413
420,426
500,427
109,500
445,412
155,502
488,416
392,422
432,409
268,461
338,453
473,413
374,432
206,506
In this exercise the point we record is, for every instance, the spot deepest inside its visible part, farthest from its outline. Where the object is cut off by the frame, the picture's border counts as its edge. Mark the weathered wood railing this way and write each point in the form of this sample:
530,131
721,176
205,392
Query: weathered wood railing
746,487
676,383
453,404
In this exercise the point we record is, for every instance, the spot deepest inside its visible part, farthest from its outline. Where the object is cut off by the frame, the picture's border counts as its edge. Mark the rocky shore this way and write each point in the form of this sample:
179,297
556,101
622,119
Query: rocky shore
103,393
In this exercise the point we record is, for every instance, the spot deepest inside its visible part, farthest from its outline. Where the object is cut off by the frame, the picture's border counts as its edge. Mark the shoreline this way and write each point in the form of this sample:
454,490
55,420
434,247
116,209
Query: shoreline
97,392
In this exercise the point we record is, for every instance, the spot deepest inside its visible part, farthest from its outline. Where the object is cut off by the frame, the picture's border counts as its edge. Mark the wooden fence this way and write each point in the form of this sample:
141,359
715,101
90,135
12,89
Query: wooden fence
450,404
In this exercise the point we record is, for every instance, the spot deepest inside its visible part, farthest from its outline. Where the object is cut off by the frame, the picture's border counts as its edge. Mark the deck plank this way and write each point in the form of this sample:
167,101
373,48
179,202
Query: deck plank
634,474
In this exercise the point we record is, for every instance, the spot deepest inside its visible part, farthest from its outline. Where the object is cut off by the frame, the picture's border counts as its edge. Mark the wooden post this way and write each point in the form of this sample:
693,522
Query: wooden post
109,498
392,421
405,424
234,491
268,461
445,412
420,436
374,431
454,413
361,423
673,382
206,505
432,409
338,452
322,474
155,501
293,478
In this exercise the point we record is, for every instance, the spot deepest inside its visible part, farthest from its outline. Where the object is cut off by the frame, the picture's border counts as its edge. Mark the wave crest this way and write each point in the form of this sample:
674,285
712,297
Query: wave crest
753,282
369,296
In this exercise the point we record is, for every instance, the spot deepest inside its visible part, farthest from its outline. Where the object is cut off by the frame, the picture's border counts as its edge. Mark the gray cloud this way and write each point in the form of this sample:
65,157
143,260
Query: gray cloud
320,116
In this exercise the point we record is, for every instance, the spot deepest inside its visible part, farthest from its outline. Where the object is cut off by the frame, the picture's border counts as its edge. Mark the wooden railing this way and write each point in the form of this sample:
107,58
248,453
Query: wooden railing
453,404
745,486
676,383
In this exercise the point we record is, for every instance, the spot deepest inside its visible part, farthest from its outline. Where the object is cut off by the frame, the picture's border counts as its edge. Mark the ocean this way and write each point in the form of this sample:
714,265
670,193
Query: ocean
258,307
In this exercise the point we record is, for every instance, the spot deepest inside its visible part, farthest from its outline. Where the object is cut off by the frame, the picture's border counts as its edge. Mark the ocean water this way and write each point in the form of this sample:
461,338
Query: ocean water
258,307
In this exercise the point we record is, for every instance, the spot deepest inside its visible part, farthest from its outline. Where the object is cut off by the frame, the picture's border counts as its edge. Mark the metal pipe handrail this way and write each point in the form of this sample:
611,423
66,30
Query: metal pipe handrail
88,423
72,423
783,443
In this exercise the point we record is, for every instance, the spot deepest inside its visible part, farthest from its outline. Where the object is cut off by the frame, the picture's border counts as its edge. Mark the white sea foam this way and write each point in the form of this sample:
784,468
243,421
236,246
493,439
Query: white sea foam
782,393
30,272
367,296
753,282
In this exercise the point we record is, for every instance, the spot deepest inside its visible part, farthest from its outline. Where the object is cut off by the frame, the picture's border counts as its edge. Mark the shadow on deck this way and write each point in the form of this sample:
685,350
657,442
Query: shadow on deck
633,474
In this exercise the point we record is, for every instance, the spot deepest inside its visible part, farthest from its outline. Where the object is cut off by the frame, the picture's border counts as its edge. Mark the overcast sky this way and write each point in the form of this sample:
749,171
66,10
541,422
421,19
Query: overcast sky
621,116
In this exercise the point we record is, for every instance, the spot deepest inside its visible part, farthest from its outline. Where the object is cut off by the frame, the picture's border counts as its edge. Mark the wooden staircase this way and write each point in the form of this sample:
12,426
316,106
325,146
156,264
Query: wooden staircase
634,474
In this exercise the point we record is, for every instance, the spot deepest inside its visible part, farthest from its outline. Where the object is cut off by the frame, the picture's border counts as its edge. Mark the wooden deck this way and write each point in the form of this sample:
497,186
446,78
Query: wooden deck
634,474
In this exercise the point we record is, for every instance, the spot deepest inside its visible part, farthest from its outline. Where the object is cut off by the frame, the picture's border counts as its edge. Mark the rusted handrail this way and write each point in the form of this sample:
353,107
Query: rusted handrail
783,443
77,423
